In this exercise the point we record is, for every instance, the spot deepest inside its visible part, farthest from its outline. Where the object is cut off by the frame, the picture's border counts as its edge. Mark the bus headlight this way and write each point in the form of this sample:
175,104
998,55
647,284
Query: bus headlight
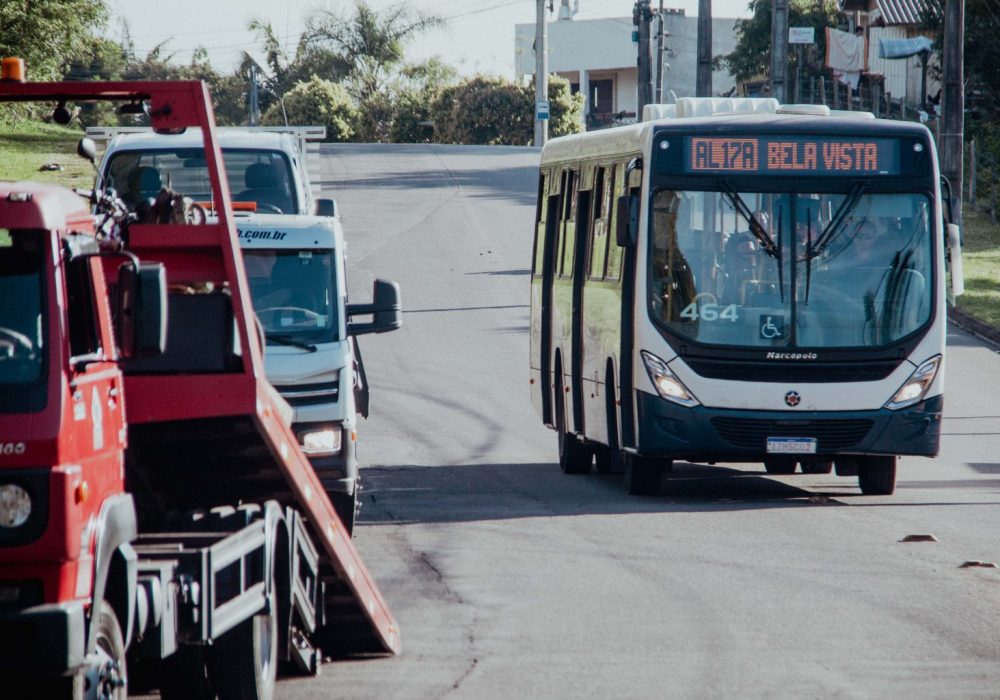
915,388
15,506
666,382
321,442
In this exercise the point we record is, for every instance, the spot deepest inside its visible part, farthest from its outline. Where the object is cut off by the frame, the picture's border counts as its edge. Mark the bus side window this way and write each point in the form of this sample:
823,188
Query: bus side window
569,223
614,252
541,204
599,226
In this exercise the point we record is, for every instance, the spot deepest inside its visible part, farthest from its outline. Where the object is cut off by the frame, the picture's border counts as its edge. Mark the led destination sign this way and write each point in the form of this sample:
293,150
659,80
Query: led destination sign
791,155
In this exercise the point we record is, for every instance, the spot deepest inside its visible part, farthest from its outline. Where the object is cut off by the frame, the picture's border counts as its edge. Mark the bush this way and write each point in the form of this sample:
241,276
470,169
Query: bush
316,102
491,110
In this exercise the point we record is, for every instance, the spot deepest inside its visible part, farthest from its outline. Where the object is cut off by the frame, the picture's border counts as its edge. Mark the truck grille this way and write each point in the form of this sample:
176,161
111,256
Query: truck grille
310,394
831,435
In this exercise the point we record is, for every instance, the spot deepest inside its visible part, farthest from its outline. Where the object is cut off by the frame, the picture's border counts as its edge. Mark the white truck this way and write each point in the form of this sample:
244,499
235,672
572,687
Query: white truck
294,254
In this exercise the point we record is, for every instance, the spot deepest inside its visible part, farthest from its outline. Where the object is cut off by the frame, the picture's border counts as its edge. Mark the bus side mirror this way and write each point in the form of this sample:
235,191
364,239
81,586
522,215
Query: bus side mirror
627,218
324,207
955,258
385,309
142,310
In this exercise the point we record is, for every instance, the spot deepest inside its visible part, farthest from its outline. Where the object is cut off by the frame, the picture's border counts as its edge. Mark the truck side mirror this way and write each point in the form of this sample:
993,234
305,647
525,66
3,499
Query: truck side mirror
142,310
324,207
87,149
385,309
627,219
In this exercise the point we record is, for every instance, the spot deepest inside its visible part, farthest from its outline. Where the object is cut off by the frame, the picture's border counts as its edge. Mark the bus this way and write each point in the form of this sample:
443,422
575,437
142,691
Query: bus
740,281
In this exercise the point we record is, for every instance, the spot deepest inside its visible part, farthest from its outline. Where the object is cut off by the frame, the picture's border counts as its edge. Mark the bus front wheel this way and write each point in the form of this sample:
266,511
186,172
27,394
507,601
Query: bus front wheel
574,456
642,475
877,475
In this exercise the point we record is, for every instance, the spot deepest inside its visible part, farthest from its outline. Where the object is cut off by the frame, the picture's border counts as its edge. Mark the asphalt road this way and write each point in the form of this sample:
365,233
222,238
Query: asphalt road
510,579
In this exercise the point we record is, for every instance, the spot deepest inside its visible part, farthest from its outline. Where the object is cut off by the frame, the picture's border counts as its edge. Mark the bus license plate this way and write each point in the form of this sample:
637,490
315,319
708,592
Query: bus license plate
796,446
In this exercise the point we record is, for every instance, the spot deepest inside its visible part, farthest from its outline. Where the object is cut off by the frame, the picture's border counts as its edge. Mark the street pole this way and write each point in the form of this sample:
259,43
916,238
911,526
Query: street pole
703,80
953,102
541,75
779,49
641,16
658,90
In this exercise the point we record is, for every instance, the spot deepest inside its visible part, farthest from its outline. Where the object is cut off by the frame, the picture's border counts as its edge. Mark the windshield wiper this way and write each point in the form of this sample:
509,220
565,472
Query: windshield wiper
839,216
755,227
290,341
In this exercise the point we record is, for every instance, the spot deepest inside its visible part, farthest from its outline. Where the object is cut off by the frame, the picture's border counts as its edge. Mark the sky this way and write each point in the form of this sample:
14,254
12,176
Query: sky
478,36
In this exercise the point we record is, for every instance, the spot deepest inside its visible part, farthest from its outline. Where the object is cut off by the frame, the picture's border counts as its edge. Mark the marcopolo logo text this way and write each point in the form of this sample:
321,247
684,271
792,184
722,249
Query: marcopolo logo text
792,356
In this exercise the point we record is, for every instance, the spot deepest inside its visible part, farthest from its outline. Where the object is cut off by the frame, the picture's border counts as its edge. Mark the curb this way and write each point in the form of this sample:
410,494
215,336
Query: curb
975,327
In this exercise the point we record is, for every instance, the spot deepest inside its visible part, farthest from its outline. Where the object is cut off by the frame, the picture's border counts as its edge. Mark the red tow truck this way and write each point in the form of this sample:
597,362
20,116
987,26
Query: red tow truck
159,523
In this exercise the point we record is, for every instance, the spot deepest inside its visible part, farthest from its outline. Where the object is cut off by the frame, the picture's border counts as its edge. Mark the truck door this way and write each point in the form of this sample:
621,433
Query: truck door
95,380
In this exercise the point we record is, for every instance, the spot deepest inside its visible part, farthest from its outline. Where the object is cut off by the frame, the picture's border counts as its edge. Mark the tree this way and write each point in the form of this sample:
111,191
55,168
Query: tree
368,42
416,93
316,102
370,45
47,33
752,56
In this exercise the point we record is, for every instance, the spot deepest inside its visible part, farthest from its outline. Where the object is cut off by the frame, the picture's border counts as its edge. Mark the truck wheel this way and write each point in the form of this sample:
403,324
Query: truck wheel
877,475
243,663
245,659
346,505
109,677
642,475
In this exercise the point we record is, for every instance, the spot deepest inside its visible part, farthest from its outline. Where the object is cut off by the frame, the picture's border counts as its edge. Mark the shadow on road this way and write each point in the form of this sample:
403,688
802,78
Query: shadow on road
478,492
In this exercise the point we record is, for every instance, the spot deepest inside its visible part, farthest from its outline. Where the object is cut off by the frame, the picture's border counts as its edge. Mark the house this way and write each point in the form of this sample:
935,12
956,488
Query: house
599,59
895,19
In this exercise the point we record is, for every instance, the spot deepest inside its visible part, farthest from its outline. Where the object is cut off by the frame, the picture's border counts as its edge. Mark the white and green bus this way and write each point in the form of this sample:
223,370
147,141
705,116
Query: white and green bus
737,281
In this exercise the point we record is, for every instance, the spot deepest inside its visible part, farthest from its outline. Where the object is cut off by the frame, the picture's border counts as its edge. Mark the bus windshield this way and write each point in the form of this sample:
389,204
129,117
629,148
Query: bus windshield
21,318
294,293
783,270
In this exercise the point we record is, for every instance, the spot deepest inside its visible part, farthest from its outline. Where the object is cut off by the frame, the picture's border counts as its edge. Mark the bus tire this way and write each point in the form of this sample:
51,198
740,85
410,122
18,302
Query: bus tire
574,456
346,505
877,475
642,475
780,465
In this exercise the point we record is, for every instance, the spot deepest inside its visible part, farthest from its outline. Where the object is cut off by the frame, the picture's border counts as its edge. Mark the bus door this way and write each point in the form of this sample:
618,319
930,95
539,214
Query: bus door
546,232
579,262
629,185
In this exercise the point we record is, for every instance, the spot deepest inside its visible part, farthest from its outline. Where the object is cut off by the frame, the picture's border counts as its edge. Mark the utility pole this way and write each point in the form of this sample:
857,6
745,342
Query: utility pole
641,16
541,75
703,81
951,144
658,90
779,49
253,98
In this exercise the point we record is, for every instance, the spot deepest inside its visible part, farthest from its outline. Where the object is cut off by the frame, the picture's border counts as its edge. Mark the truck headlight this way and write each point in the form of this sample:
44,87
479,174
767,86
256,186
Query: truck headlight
666,382
321,442
15,506
915,388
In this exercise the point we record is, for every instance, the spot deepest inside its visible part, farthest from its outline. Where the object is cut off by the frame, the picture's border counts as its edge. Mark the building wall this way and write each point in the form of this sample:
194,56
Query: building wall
583,49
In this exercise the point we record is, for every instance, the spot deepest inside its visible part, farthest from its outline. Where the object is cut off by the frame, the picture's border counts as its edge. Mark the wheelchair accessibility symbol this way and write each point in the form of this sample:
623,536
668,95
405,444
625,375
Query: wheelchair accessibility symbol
772,327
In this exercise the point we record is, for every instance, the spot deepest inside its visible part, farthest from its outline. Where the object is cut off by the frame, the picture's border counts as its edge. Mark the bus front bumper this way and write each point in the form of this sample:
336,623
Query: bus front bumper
701,434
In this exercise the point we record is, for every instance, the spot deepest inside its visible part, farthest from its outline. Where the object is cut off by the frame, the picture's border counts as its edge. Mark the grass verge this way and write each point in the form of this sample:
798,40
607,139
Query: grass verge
981,259
27,146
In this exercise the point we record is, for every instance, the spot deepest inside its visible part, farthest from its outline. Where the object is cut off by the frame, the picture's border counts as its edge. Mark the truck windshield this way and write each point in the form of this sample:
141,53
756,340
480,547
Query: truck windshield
22,321
814,270
263,177
295,295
